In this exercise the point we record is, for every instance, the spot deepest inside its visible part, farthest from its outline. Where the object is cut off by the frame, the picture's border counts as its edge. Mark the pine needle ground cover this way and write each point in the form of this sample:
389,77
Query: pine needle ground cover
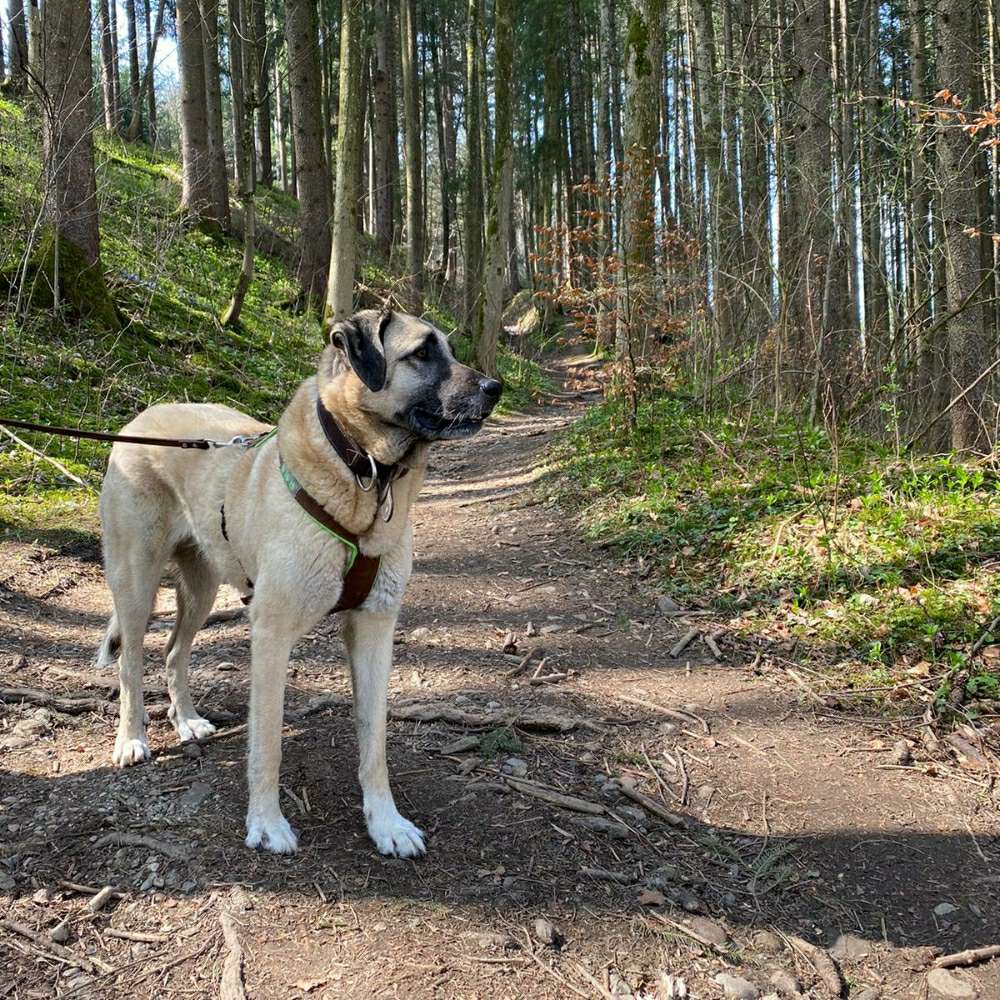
880,571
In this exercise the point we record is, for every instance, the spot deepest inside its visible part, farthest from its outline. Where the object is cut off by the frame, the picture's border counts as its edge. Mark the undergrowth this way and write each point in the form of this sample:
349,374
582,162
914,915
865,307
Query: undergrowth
883,568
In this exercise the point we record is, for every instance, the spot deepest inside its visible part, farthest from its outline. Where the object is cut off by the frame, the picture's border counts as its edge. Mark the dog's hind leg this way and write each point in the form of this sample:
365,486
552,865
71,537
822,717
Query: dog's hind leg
111,644
133,571
197,585
368,638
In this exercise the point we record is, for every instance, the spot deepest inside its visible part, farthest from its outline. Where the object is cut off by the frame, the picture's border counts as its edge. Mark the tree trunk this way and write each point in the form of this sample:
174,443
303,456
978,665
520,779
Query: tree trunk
149,87
242,73
69,255
196,196
311,173
350,128
414,157
472,283
213,106
262,43
383,105
116,66
146,83
969,349
108,59
18,45
602,249
642,73
135,102
498,218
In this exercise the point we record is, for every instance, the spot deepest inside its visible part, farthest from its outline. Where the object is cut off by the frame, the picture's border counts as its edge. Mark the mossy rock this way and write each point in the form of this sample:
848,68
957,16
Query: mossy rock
81,284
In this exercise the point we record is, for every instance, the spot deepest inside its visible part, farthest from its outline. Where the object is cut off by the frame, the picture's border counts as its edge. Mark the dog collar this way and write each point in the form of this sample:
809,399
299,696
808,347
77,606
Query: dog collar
363,465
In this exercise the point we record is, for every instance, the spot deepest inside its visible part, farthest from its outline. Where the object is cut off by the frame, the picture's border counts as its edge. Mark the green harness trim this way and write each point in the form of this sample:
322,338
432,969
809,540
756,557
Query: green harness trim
293,487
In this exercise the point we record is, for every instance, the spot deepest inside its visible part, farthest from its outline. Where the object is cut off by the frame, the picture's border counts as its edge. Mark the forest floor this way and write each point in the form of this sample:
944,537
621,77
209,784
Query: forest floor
803,845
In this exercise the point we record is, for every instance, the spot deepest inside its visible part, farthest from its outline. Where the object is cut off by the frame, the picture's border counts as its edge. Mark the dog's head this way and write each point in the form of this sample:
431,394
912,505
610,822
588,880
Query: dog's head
399,370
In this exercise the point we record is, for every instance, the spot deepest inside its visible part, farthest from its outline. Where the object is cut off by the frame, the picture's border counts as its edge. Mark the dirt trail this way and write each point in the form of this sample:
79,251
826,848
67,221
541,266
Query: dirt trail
794,825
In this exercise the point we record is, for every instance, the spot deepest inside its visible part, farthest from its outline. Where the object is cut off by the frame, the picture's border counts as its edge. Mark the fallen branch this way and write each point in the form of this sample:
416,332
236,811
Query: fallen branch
116,839
674,713
56,950
825,966
45,458
67,706
813,696
630,791
603,875
968,957
88,890
231,985
683,642
690,932
522,665
556,798
101,899
141,936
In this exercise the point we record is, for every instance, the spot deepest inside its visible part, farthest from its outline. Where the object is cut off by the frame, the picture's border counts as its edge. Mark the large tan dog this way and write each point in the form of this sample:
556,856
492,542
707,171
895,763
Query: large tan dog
392,386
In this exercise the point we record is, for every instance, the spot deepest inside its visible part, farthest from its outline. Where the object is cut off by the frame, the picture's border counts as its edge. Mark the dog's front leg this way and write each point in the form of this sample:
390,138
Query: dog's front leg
368,638
266,826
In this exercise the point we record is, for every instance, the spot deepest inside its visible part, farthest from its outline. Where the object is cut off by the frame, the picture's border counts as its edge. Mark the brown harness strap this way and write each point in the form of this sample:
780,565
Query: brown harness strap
360,577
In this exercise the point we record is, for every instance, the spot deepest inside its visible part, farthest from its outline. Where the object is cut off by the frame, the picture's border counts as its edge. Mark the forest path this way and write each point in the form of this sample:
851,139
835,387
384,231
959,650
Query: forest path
793,823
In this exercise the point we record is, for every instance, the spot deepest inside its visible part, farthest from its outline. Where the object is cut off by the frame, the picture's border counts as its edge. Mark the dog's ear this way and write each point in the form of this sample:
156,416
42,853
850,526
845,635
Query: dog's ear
363,351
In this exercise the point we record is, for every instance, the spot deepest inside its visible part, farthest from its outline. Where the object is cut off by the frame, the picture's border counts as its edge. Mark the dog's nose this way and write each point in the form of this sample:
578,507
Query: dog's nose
490,387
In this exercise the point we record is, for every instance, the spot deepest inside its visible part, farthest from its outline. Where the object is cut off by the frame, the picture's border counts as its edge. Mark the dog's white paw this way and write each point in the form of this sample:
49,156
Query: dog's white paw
194,728
395,835
272,833
130,751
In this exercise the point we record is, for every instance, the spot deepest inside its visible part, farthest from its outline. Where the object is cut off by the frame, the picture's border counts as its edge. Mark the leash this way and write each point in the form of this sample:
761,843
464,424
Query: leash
201,444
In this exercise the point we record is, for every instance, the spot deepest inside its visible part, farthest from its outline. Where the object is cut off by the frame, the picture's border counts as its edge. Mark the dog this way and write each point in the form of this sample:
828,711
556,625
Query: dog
354,439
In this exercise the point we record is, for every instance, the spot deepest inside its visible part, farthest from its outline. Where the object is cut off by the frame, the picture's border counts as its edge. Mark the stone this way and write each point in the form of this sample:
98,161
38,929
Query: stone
547,932
768,942
515,767
786,984
737,988
851,948
666,605
943,909
195,795
710,930
60,933
943,984
671,987
619,987
869,994
420,634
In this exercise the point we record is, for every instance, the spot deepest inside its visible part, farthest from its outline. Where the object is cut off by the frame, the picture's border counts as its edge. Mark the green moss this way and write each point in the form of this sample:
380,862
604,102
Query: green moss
81,284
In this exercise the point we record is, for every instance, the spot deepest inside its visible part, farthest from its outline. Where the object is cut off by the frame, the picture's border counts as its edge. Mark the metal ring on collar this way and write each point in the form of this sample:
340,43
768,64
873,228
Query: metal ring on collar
371,482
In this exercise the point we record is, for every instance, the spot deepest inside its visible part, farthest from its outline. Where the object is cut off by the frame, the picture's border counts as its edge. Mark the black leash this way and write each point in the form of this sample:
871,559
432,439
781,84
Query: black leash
202,444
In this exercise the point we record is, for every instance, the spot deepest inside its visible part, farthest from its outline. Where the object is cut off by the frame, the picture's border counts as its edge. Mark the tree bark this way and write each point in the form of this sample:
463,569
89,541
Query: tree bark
242,75
135,101
213,107
498,219
968,346
146,83
384,100
350,128
196,196
18,45
108,59
69,256
472,281
311,173
414,157
262,44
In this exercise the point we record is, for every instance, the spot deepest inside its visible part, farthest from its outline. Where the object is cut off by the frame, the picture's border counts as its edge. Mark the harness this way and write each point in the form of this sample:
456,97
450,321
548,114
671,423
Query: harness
370,474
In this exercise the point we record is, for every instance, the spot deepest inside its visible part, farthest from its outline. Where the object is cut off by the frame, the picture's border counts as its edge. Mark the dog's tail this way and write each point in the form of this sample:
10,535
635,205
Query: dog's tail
107,654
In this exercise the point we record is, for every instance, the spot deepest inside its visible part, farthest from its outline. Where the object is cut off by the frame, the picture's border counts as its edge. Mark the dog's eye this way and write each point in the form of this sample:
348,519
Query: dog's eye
420,354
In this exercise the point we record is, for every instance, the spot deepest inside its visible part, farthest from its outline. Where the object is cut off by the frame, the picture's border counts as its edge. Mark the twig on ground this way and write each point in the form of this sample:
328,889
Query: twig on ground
968,957
101,899
629,790
825,966
125,839
713,646
603,875
683,642
981,641
690,932
231,985
56,950
67,706
141,936
88,890
45,458
548,679
556,798
813,696
522,666
675,713
552,972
